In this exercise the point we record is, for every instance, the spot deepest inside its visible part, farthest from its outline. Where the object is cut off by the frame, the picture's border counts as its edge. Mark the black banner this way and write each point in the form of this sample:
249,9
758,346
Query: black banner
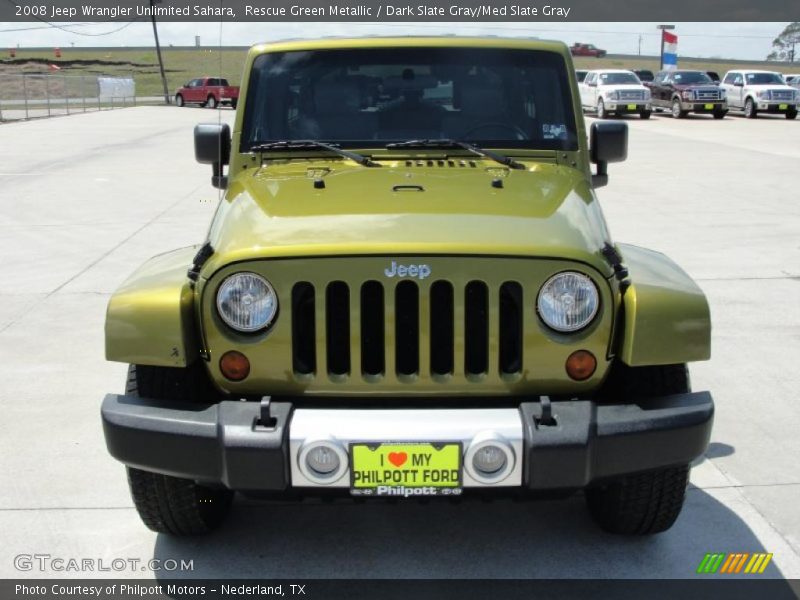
410,589
399,10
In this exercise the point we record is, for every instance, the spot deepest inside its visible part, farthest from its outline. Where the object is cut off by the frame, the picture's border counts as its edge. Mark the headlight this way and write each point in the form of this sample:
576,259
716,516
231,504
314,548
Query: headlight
687,94
246,302
647,94
613,95
763,95
568,301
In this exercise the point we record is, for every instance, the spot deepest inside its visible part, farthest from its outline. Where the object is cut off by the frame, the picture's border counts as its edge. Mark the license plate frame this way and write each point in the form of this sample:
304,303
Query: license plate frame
406,485
631,107
709,107
783,107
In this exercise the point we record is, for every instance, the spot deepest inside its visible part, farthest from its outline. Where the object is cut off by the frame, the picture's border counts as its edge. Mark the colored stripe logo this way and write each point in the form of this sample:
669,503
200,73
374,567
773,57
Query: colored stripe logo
734,562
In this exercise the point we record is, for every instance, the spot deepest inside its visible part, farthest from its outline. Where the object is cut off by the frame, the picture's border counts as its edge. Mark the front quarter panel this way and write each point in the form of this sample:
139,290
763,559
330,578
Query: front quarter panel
666,314
150,318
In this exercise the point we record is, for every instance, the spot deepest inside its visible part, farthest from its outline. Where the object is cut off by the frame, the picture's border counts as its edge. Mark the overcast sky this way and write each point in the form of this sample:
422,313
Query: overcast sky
718,40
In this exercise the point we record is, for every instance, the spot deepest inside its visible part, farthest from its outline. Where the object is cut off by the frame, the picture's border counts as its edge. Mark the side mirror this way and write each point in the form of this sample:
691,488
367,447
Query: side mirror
592,84
738,83
608,142
212,146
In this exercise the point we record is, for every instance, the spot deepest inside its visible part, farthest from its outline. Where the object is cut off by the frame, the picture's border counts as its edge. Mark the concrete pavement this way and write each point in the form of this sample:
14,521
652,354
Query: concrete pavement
86,199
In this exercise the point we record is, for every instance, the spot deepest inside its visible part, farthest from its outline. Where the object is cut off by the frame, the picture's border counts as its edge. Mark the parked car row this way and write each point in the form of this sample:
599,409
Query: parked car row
609,92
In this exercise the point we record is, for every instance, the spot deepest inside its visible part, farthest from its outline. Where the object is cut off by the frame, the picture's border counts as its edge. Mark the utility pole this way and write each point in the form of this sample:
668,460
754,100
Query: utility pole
663,28
640,44
158,49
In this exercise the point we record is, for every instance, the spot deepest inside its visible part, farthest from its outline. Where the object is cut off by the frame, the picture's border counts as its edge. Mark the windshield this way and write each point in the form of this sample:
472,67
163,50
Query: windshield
692,77
618,78
763,78
645,75
369,97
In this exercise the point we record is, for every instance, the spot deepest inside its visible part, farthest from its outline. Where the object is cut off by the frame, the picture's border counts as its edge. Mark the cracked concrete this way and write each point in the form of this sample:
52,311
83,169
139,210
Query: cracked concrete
86,199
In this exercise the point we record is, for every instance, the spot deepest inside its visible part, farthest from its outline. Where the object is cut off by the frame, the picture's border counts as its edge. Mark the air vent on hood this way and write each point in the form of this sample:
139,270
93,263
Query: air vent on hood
450,163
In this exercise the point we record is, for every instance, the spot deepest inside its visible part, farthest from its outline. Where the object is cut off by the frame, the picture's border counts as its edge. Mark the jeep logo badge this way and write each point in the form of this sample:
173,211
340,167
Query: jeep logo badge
418,271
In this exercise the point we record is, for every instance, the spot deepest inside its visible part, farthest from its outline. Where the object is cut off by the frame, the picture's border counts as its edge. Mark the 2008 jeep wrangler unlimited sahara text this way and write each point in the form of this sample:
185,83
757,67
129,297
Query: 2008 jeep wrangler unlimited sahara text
408,289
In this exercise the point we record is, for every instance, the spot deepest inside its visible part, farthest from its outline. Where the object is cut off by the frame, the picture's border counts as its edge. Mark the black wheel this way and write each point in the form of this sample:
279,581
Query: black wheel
233,103
677,111
645,114
169,504
179,100
601,109
792,114
649,502
720,114
211,102
750,109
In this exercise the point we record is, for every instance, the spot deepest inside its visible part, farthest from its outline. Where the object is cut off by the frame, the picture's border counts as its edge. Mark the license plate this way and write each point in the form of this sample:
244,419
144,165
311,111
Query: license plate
709,107
631,107
783,106
405,469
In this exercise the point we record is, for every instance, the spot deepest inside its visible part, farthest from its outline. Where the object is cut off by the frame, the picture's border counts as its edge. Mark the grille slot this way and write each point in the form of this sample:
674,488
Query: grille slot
476,328
304,356
442,327
337,324
406,328
511,312
372,328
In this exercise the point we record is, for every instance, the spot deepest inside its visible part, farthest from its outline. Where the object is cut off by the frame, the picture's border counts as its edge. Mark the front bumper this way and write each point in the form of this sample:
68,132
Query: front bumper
776,107
226,443
697,106
622,107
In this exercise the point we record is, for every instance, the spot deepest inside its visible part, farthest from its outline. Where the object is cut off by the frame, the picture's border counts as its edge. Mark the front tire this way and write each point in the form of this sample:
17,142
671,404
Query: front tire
167,504
211,102
645,114
601,109
791,115
677,111
649,502
179,101
750,109
720,114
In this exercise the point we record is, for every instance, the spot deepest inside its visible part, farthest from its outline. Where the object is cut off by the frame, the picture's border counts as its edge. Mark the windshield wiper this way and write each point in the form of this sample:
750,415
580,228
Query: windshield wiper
292,145
448,143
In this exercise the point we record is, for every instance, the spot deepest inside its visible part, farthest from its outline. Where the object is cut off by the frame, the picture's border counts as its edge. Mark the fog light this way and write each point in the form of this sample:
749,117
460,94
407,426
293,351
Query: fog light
234,365
489,459
581,365
322,460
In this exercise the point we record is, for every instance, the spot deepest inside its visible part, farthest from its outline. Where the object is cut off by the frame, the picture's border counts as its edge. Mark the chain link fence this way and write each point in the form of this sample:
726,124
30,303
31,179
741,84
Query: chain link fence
36,95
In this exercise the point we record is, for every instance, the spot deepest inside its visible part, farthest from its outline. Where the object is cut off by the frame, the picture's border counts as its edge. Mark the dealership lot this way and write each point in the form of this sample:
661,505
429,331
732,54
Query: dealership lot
89,197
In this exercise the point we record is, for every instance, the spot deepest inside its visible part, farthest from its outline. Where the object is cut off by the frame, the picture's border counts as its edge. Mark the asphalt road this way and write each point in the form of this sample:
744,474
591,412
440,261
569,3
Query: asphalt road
85,199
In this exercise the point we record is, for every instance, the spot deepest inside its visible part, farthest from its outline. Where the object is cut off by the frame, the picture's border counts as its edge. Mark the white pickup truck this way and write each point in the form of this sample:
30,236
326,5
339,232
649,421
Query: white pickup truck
615,91
760,91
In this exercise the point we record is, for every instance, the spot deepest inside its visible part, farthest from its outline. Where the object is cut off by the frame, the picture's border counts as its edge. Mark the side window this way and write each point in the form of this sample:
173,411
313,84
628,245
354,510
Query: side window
729,78
195,83
589,78
659,78
738,78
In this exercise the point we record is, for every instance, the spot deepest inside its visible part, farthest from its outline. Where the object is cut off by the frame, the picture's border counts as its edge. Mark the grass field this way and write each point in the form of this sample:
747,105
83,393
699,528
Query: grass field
183,64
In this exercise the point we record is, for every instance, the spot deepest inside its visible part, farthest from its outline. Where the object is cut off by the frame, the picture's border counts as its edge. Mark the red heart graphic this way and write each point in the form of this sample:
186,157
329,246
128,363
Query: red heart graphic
398,458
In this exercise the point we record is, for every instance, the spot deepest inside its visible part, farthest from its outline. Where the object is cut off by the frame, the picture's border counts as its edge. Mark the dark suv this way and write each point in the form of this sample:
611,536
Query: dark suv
682,92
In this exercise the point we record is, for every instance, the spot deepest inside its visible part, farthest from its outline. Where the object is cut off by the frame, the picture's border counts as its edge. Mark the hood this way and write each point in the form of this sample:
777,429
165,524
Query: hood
407,207
771,86
614,87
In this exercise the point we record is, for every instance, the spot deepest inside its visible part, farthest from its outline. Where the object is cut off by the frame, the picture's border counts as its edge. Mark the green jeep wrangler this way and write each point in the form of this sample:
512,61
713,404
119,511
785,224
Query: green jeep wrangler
408,291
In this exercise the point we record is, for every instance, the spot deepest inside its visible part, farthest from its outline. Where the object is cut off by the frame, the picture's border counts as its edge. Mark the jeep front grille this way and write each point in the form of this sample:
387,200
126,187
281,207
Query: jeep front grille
406,331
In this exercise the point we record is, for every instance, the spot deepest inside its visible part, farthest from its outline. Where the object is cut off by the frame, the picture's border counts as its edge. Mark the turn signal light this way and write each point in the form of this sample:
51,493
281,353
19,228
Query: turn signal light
581,365
234,365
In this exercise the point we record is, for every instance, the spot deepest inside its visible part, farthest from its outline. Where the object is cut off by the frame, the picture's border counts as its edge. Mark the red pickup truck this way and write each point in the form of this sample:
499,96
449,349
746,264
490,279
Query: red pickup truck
586,50
207,91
